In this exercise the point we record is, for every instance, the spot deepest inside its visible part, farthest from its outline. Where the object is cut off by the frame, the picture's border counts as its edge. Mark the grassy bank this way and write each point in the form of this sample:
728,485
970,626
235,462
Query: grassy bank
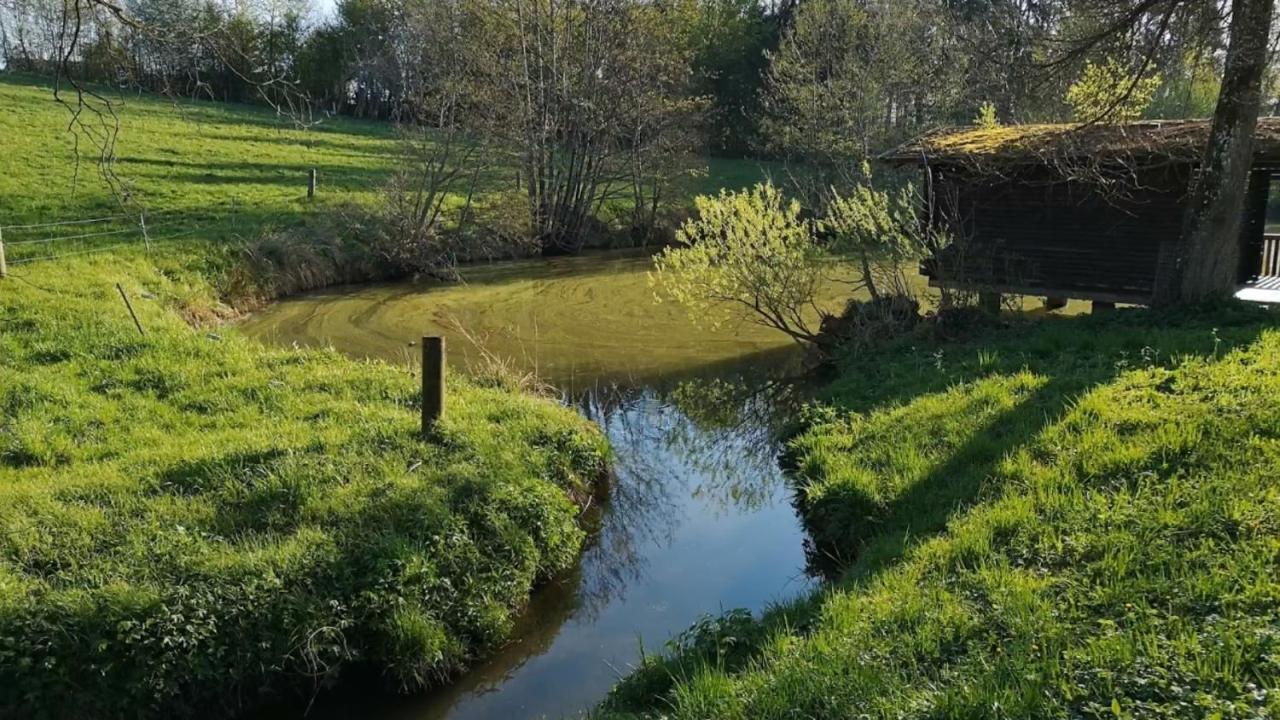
189,521
1074,518
186,518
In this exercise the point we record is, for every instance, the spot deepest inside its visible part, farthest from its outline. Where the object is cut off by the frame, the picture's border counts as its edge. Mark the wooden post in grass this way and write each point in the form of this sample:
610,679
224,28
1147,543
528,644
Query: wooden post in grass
432,382
132,314
311,184
146,237
4,267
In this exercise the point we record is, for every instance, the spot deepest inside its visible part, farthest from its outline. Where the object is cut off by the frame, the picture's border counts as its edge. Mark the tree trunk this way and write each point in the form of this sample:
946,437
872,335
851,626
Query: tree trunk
1211,232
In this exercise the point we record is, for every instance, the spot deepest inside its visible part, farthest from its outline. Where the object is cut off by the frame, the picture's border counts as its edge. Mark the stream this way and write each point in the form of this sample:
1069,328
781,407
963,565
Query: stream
699,517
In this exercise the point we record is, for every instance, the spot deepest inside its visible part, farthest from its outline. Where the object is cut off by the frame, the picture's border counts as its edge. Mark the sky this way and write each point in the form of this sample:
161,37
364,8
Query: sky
324,8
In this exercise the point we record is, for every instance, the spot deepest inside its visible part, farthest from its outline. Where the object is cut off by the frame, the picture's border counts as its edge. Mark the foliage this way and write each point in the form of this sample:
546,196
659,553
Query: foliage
440,158
229,52
882,229
748,255
590,96
733,39
1109,92
1190,89
850,76
987,118
1070,517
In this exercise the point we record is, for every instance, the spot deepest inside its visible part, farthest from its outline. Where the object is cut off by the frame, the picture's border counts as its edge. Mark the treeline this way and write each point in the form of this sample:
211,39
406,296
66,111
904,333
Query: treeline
226,51
599,106
819,78
364,60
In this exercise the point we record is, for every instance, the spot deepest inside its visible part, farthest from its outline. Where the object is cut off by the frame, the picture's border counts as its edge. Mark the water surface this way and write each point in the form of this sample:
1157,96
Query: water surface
579,322
698,519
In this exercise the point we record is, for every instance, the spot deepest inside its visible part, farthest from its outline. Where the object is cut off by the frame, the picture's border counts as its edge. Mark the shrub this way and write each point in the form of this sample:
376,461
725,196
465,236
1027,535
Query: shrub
748,255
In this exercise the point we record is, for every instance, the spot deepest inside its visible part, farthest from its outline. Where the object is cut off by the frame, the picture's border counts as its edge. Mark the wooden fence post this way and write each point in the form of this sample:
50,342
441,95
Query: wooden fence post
4,267
146,238
432,382
129,306
311,184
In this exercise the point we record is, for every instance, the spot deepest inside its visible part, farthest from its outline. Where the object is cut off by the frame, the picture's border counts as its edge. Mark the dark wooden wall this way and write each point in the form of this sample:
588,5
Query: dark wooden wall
1036,233
1254,226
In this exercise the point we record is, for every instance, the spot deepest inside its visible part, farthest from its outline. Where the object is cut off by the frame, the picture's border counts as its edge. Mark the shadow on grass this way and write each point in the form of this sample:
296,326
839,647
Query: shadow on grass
855,536
1058,362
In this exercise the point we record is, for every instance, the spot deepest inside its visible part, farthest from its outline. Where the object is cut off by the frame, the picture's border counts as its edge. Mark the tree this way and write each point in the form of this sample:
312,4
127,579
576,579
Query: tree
733,39
1209,256
1002,45
750,256
852,77
581,91
1104,93
440,158
1212,227
1190,89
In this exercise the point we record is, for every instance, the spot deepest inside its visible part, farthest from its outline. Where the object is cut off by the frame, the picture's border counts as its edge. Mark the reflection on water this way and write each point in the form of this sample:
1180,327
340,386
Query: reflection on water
576,321
698,519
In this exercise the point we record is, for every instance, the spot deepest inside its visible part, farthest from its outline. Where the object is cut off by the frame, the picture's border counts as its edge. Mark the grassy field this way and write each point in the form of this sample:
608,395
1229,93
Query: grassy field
189,520
1073,518
230,172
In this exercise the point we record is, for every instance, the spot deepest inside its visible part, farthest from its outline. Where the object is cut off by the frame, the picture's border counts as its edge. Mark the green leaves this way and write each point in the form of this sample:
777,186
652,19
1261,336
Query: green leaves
1111,92
750,256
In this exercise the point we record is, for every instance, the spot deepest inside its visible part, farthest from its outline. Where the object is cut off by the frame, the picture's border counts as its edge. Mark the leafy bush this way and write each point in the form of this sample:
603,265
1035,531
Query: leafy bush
748,255
1110,92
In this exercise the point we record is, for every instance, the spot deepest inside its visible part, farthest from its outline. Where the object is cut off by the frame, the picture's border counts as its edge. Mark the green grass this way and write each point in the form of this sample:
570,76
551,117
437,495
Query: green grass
1077,518
189,521
238,165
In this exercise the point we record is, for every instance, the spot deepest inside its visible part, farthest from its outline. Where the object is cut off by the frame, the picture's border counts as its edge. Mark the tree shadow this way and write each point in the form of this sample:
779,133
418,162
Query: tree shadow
855,537
1065,359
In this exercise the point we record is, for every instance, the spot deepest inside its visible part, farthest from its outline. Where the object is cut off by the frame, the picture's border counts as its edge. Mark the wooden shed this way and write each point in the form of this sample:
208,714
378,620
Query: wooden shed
1093,213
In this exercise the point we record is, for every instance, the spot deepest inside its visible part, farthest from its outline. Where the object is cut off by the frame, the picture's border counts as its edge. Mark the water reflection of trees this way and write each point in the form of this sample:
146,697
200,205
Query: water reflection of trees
715,440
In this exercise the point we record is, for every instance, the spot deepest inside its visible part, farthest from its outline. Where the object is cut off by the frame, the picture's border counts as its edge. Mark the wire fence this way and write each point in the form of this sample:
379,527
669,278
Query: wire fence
21,244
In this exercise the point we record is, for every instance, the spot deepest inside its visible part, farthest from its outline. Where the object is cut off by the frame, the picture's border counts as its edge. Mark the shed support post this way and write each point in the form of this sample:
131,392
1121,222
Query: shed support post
1100,307
1054,303
989,301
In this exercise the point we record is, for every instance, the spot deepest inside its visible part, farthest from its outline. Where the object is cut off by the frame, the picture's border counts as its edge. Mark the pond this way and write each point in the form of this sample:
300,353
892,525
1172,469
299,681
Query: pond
699,517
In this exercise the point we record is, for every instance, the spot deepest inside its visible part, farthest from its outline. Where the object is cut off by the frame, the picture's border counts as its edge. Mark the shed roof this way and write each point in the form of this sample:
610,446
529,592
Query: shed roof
1149,140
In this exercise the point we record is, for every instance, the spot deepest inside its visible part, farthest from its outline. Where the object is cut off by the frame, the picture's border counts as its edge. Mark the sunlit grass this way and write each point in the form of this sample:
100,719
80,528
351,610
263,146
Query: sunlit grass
1076,518
189,520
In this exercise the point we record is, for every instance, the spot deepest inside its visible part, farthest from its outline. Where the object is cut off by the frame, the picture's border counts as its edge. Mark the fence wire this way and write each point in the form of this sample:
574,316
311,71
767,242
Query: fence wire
61,222
15,237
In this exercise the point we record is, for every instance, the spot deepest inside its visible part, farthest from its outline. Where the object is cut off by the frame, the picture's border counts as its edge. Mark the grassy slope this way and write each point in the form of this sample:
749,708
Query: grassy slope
1079,518
187,518
216,176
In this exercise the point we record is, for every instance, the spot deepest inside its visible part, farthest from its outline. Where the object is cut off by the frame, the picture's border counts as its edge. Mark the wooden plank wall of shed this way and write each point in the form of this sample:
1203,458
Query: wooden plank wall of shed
1031,229
1254,226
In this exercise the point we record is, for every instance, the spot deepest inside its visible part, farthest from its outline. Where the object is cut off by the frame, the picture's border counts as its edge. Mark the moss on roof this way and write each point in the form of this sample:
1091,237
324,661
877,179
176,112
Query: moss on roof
1039,143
